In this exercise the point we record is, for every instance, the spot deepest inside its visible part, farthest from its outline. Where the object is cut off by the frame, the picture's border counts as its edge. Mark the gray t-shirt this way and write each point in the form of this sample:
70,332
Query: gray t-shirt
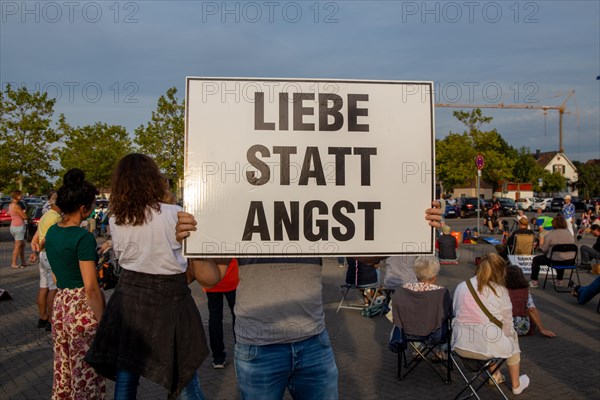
278,301
399,270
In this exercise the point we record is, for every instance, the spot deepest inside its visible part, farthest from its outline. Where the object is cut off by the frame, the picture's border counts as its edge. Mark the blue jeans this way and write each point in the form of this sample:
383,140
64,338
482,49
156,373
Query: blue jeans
586,293
127,382
307,368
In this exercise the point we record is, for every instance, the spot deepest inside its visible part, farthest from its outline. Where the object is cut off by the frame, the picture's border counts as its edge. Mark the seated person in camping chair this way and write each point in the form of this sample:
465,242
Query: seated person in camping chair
446,246
524,247
421,310
363,274
491,220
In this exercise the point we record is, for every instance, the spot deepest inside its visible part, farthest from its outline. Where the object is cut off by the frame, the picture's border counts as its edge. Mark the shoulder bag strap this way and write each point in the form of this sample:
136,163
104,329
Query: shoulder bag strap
480,304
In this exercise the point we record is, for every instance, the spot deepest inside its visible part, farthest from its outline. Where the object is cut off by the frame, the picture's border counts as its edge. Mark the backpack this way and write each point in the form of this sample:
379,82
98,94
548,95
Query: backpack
108,270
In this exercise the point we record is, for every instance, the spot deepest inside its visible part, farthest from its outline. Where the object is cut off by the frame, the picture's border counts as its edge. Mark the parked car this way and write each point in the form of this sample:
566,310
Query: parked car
34,213
507,206
451,211
468,206
558,203
5,218
544,204
526,203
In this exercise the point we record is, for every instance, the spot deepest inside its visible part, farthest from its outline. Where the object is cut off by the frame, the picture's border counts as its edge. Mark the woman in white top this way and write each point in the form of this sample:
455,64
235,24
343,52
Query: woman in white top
151,326
474,334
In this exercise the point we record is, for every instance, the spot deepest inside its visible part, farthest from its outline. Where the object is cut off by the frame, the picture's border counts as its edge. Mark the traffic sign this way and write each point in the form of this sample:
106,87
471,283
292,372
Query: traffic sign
479,162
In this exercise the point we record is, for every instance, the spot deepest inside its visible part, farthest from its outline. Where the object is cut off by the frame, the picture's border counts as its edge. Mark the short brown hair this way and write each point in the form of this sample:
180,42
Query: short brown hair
15,193
559,222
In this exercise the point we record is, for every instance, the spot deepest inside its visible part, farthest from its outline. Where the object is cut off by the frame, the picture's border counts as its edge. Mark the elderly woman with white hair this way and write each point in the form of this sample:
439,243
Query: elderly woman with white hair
421,309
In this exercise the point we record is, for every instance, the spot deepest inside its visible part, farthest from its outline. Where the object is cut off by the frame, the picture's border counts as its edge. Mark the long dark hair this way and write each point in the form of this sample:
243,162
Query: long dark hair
515,278
137,187
75,192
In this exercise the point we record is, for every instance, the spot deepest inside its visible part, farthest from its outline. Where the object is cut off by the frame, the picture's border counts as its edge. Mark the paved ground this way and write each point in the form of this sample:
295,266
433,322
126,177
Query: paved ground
567,367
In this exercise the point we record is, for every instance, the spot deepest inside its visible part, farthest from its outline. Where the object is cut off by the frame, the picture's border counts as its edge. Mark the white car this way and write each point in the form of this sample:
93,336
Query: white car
526,203
544,204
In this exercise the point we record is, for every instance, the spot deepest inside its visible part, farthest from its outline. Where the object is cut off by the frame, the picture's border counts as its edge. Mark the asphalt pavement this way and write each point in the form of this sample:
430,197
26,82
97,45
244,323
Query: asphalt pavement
566,367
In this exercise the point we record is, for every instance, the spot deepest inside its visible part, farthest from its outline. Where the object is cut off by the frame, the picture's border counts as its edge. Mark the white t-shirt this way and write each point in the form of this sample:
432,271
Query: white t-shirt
150,248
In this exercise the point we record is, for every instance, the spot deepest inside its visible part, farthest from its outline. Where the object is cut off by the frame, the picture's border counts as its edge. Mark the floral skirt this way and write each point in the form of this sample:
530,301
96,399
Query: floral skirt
73,328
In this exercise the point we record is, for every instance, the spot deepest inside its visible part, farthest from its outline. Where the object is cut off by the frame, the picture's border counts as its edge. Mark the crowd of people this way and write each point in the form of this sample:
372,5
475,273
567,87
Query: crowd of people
124,339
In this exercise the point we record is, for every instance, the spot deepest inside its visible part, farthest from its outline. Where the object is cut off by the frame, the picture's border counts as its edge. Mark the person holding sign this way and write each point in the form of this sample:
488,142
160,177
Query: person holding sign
280,327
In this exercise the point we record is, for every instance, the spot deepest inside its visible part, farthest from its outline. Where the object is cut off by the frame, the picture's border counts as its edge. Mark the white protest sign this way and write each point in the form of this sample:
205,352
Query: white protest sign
524,262
308,167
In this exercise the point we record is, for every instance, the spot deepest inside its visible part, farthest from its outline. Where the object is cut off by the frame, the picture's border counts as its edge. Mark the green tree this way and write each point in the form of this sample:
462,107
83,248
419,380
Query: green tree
455,154
163,137
553,182
26,140
527,169
588,182
95,149
455,160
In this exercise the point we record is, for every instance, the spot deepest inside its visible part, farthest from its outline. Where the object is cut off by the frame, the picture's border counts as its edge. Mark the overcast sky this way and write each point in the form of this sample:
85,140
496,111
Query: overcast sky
110,61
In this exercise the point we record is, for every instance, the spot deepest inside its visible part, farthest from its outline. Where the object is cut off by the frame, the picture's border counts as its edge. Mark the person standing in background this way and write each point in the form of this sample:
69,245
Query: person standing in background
568,211
47,292
17,229
79,303
225,288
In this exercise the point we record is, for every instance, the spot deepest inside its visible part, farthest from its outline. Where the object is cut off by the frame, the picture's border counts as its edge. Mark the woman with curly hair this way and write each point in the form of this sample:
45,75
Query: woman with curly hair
79,303
477,336
151,327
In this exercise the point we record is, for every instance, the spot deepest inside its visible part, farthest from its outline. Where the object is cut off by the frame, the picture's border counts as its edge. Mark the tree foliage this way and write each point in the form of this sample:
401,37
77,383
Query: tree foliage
95,149
26,140
455,154
163,137
553,182
588,182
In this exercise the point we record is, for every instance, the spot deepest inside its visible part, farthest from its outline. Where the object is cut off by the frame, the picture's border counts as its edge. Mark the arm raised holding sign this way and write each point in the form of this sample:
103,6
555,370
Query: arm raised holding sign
278,301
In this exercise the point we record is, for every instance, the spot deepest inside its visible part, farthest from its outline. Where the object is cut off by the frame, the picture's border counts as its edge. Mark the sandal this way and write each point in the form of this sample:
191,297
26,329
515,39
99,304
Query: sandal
439,356
17,266
498,377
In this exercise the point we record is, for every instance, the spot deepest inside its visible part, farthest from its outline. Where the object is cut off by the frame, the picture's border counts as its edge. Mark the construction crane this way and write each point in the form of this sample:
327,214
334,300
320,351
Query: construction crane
561,111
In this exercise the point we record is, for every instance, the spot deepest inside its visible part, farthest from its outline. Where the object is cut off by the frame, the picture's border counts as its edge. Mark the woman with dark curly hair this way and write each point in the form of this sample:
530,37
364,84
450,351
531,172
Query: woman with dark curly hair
151,327
79,303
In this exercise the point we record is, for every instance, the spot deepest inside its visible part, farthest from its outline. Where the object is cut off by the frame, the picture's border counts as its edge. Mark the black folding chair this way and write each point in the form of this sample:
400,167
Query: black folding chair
409,337
562,264
473,371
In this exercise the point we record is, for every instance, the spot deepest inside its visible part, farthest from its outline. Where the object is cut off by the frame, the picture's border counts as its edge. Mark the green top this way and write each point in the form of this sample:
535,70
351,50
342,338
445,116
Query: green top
65,247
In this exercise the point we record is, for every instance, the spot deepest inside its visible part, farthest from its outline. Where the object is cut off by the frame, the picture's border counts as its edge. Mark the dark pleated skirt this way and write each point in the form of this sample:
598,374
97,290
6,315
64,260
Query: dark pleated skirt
151,327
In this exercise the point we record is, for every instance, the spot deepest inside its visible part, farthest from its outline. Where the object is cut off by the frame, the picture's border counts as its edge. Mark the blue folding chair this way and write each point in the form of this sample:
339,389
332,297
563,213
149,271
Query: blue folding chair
562,264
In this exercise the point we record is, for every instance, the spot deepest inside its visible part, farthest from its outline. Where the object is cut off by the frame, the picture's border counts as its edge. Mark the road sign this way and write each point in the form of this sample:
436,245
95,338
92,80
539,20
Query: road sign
479,162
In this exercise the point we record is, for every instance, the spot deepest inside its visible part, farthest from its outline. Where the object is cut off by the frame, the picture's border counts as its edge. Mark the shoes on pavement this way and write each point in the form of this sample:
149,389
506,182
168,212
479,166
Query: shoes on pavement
42,323
533,284
523,384
49,327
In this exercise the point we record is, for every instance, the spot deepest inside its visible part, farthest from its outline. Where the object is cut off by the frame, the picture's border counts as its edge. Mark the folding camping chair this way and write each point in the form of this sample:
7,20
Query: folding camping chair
365,279
523,245
473,370
562,264
411,337
345,303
